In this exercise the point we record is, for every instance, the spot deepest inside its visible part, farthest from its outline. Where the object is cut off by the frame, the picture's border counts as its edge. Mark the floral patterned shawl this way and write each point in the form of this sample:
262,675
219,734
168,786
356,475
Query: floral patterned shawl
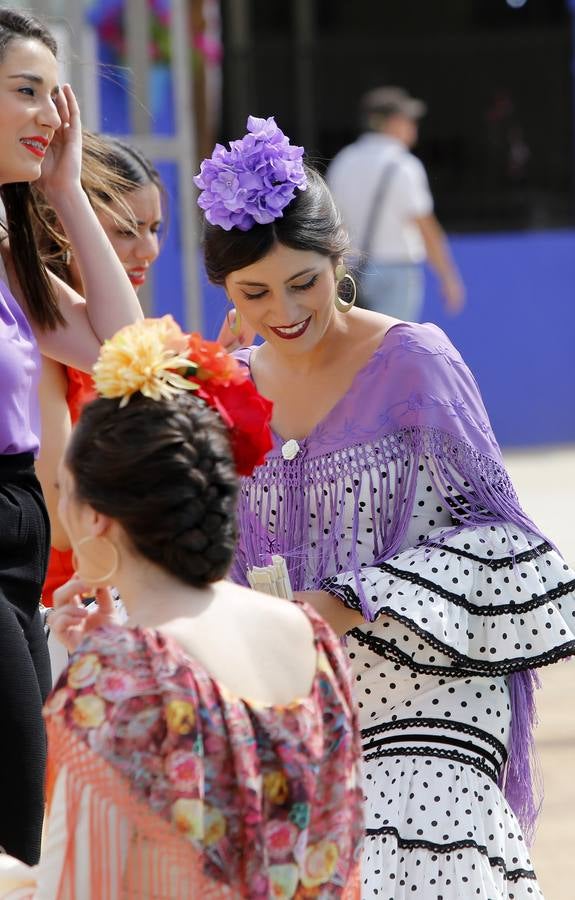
194,792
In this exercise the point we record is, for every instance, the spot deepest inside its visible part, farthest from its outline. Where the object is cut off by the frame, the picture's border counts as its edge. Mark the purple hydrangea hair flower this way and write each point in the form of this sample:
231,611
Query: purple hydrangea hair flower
254,180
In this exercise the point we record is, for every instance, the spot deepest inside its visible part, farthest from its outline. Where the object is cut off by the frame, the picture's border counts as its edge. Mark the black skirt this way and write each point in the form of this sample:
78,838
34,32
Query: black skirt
24,659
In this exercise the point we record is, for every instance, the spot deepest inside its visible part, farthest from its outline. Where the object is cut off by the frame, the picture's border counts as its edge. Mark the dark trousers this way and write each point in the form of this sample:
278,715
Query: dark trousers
24,659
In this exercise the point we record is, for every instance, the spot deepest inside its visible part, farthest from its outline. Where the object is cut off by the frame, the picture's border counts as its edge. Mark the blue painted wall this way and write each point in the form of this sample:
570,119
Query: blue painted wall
214,307
517,331
168,269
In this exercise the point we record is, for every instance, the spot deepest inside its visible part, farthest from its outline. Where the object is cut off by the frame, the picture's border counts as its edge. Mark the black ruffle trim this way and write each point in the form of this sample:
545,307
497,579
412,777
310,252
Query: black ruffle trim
416,844
460,665
490,768
429,722
494,564
476,609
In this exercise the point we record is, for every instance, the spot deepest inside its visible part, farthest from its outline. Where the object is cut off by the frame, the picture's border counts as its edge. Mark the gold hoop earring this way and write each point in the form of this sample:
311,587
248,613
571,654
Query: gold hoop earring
344,306
95,579
235,326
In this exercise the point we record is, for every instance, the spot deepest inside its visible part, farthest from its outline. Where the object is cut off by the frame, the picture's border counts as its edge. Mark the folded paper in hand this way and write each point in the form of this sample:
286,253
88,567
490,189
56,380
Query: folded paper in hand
272,579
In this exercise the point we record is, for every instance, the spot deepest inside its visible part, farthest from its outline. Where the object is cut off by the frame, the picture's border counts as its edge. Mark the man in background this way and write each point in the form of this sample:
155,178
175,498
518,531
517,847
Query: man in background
383,194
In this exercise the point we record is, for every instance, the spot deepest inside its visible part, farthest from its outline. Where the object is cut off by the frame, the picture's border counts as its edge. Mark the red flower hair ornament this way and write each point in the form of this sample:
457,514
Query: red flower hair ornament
155,358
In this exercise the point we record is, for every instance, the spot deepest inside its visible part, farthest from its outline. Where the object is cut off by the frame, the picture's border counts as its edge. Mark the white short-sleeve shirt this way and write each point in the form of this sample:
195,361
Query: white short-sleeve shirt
354,176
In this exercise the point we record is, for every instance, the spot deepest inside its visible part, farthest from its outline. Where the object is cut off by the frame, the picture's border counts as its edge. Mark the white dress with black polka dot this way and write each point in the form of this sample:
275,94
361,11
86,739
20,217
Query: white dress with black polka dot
451,619
454,612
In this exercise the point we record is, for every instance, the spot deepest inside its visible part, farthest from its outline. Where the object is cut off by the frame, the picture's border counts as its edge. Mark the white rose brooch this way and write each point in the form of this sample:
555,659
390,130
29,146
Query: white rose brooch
290,449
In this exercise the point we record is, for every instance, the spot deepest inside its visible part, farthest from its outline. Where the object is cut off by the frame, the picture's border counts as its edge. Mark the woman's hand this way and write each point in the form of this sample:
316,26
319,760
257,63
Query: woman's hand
231,341
332,610
62,165
71,621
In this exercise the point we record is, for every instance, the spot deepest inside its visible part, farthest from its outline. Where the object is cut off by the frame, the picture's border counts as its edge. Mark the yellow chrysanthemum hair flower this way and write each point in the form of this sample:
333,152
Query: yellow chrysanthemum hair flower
155,358
145,357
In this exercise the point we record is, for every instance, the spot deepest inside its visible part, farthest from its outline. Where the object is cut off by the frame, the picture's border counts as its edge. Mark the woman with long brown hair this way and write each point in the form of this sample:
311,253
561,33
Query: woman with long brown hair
129,199
40,136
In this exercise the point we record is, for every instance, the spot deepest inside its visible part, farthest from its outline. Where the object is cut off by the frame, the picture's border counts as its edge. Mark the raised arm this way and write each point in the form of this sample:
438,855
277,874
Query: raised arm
110,300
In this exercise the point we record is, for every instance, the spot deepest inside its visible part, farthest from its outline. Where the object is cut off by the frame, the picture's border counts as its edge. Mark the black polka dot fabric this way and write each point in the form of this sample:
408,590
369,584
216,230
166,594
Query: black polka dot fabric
489,600
454,615
393,871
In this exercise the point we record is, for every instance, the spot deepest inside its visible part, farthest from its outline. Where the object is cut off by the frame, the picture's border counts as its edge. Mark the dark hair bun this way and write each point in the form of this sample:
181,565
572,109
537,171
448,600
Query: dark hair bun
164,470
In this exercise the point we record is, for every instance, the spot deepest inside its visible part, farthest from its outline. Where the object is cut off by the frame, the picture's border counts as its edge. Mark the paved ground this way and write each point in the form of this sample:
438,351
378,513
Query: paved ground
545,481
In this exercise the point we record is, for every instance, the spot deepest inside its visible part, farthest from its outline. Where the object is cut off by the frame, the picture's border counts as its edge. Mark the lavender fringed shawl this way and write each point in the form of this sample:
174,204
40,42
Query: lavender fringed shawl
414,400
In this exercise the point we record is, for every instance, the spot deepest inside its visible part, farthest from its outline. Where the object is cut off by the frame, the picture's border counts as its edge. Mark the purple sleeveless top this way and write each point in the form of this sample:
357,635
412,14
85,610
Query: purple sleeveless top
19,375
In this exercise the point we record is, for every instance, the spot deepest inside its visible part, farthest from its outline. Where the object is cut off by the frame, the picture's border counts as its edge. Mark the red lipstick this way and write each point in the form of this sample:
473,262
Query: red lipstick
137,276
291,332
36,144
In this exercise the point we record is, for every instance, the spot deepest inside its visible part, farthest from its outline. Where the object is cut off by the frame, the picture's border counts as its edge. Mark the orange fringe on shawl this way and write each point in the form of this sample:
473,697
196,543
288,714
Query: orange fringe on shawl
144,858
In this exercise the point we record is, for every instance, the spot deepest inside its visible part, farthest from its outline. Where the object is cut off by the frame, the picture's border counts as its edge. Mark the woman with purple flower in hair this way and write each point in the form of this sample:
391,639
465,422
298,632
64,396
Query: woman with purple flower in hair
386,494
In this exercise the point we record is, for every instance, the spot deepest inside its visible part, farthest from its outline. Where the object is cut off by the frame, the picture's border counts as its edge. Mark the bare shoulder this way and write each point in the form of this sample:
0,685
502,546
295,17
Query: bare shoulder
270,653
374,322
367,329
285,617
294,621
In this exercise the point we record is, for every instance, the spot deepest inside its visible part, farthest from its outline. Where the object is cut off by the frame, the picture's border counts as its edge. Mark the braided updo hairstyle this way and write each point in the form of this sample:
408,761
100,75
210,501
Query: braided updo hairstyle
165,472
